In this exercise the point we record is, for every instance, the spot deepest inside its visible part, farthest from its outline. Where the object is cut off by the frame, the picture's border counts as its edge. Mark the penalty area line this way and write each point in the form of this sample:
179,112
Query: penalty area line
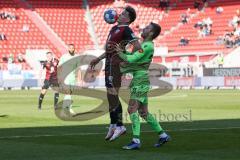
102,133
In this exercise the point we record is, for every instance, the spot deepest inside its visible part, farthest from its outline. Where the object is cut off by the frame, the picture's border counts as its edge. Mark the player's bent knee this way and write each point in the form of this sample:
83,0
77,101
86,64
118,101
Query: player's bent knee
143,115
132,109
44,91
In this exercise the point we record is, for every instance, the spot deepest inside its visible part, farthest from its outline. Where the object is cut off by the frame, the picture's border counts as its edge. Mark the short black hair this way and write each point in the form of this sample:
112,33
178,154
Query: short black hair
132,13
49,52
71,44
156,30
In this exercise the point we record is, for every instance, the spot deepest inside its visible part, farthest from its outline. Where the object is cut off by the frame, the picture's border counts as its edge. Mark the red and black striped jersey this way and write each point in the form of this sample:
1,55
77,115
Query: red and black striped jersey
119,35
51,68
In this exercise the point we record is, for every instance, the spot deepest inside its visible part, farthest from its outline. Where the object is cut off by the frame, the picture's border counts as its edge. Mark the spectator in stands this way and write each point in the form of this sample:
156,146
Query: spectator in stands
11,58
229,40
236,35
188,12
201,32
164,4
3,15
237,30
219,40
208,21
2,37
25,28
238,13
237,41
220,60
198,24
8,15
4,58
13,17
205,27
20,58
236,19
184,18
219,10
184,41
197,4
208,29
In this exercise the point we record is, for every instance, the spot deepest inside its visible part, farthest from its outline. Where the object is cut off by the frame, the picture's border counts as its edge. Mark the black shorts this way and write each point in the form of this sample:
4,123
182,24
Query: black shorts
49,83
113,77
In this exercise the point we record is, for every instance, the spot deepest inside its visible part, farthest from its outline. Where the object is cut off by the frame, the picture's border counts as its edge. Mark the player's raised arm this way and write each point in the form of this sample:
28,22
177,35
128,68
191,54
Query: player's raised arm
136,45
95,61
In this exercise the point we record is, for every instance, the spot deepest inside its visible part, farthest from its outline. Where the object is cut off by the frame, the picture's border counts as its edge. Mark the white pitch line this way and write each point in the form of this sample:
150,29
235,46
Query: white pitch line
170,96
100,133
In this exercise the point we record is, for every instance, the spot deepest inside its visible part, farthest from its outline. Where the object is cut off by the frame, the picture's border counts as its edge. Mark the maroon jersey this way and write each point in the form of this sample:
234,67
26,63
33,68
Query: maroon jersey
51,69
119,35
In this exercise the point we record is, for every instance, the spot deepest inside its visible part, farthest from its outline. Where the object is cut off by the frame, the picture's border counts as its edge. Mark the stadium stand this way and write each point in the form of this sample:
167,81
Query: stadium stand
67,18
101,28
173,29
21,34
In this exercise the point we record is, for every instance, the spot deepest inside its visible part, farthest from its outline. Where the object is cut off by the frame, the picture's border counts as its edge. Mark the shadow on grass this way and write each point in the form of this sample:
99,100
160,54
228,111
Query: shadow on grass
197,140
102,128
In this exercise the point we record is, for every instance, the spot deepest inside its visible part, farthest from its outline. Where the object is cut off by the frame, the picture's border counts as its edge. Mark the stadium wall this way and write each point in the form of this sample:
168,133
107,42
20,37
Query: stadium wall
27,78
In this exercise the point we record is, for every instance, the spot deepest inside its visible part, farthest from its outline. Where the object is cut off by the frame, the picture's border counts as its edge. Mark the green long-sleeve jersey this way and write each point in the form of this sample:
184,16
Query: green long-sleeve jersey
138,62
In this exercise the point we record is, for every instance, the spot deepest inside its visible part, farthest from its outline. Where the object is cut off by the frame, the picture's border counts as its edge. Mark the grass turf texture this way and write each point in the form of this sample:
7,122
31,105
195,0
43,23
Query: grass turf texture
211,132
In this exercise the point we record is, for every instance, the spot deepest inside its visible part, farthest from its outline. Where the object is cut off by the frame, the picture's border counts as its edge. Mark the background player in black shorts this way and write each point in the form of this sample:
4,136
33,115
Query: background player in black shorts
121,34
50,67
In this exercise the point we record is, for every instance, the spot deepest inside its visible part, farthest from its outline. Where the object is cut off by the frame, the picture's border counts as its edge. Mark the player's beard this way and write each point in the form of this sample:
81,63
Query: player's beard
72,53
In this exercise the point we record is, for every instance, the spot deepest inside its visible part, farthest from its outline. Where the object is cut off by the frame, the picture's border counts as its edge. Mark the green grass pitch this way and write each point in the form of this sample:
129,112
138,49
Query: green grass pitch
203,124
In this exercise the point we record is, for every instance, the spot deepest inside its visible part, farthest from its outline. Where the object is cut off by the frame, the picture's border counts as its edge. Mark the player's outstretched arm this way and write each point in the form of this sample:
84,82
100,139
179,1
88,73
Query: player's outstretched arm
136,45
95,61
132,58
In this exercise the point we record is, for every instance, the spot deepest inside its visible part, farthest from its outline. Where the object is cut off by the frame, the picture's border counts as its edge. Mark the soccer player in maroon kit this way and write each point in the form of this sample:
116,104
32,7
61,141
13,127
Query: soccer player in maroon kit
120,34
50,79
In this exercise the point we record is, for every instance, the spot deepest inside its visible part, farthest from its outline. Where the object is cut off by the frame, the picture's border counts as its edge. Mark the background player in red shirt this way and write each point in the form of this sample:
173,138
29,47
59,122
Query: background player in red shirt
120,34
50,67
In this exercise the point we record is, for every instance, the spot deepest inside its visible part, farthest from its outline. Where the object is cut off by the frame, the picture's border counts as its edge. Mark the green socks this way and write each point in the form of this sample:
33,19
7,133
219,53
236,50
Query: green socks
135,124
150,120
154,124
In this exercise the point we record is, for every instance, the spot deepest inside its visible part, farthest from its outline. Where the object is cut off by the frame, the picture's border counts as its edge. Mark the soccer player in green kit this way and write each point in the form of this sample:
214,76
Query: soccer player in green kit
71,78
137,64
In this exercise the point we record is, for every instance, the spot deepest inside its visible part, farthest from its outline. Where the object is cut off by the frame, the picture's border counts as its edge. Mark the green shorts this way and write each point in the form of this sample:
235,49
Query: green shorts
139,91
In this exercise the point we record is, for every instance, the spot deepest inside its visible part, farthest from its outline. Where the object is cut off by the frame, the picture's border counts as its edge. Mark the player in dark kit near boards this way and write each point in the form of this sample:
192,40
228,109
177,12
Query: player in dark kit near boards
50,66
